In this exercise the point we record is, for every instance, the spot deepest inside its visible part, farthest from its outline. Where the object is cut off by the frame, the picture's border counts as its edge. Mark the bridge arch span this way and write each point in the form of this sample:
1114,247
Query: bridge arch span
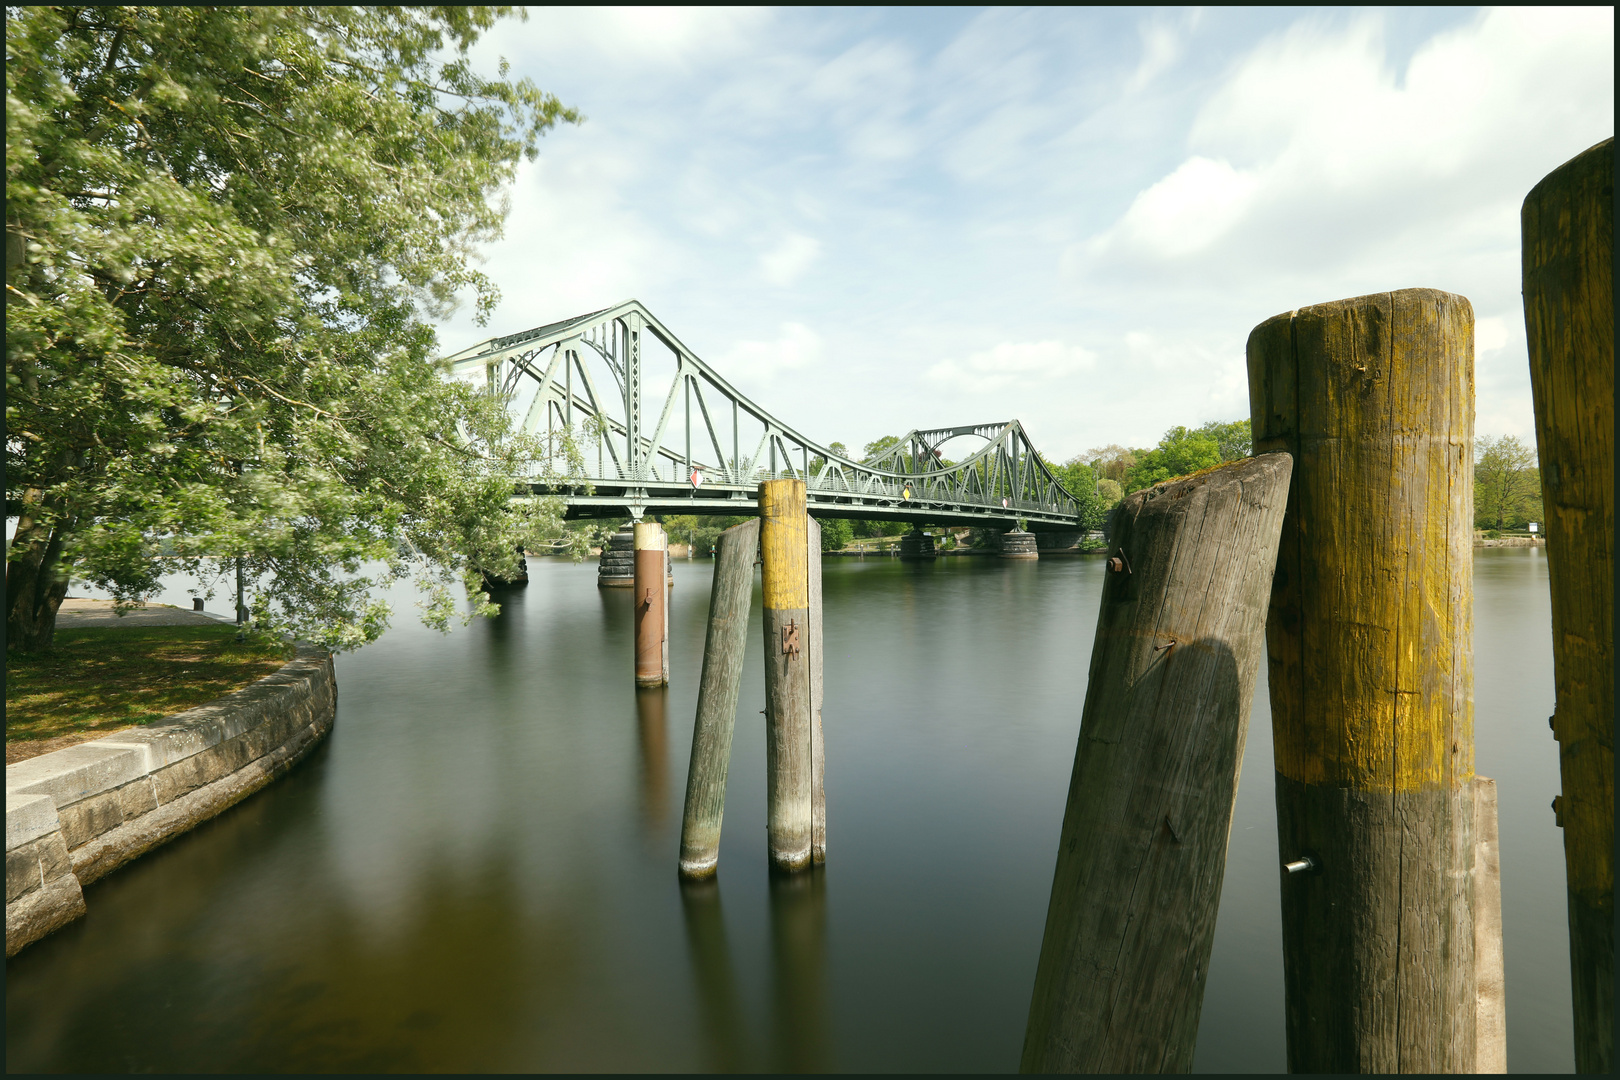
587,376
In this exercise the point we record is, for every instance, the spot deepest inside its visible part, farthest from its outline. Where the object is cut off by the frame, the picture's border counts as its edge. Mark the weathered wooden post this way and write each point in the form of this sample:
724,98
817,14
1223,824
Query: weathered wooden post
652,608
1131,921
1568,223
717,699
1371,676
1490,1011
786,532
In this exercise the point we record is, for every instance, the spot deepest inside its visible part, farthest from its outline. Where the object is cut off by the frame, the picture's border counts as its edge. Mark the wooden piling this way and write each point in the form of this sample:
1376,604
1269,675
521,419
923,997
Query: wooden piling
652,608
789,769
717,699
1568,229
1371,679
1131,921
1490,1010
818,754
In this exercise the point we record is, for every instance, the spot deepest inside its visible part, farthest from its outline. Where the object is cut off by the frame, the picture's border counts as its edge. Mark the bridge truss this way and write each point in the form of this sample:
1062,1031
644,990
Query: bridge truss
641,461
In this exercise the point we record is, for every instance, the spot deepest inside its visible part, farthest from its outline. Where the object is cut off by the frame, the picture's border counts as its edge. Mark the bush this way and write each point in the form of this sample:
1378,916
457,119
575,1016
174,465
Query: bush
836,533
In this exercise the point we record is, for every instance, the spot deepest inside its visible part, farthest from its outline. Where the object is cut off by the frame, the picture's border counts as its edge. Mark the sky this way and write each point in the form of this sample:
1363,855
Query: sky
874,220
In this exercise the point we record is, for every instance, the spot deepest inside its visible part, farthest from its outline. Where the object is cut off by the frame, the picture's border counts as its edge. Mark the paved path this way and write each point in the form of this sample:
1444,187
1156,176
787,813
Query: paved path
76,612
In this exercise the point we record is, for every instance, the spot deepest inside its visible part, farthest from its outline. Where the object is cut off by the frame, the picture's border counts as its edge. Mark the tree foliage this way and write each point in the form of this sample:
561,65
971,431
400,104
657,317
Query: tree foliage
227,232
1507,484
1079,480
1187,450
836,533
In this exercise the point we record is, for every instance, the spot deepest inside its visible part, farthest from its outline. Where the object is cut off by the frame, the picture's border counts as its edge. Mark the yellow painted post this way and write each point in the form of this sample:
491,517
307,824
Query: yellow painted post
1568,223
1370,640
789,753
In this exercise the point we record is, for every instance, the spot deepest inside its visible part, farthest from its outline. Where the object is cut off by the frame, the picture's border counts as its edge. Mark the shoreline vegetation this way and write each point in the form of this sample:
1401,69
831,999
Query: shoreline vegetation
94,681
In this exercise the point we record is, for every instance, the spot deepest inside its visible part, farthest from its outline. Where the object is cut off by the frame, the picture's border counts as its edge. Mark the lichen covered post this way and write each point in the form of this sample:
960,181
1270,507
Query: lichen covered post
789,751
1142,853
717,699
1371,679
1568,226
652,608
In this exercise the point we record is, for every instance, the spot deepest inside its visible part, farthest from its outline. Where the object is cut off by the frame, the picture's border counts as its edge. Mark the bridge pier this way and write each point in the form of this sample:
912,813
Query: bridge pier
917,544
616,567
492,583
1017,544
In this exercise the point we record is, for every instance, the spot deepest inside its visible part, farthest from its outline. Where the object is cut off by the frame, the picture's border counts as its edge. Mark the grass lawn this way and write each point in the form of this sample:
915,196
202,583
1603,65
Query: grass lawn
98,680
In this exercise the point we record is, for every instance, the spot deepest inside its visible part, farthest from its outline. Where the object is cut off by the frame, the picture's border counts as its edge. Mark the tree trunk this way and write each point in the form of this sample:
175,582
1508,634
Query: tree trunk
36,581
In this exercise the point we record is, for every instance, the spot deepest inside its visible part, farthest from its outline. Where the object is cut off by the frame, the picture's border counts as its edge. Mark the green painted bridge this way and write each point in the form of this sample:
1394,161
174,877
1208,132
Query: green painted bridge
707,447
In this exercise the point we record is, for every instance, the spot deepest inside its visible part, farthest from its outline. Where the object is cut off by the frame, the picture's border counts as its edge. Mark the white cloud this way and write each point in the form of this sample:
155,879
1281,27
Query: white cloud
637,35
1025,365
1316,155
784,264
1490,334
1183,214
796,347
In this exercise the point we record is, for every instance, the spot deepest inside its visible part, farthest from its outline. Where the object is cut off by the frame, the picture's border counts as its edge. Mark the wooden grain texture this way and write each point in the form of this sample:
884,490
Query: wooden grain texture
716,720
651,605
818,750
1568,228
789,769
1142,852
1490,1011
1370,642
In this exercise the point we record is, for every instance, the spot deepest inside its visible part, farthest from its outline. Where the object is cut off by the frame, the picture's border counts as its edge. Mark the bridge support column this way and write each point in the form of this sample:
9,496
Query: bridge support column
617,567
652,606
1018,545
917,544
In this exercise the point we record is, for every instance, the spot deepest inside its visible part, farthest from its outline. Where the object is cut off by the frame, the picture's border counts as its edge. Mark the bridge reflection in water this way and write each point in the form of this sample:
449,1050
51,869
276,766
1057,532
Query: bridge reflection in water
593,376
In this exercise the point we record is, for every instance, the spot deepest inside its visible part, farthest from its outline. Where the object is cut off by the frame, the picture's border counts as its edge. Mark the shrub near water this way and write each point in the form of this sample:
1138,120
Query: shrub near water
97,680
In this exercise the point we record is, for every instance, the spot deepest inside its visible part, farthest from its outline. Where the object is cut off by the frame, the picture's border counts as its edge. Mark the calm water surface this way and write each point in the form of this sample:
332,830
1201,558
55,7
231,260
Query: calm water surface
477,870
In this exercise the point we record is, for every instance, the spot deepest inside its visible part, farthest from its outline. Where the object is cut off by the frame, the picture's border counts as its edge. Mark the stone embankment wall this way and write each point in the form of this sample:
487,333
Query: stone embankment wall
1507,541
77,814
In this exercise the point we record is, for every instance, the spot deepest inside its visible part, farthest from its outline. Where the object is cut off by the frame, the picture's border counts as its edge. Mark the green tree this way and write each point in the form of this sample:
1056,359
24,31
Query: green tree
1109,492
836,533
1233,437
1078,479
1180,452
1507,484
877,447
1111,462
227,231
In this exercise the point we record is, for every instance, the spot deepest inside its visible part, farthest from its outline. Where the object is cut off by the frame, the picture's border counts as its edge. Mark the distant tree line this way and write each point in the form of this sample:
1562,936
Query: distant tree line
1507,484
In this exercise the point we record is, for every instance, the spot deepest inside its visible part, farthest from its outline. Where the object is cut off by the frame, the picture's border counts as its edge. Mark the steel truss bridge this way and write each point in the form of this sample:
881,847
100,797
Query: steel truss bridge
556,378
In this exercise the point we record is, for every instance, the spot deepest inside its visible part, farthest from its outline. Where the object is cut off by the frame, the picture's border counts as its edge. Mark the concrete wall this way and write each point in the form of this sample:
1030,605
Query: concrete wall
77,814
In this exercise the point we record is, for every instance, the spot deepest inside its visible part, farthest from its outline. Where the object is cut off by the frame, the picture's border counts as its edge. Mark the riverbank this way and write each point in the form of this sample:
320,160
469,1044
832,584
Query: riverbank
76,814
105,674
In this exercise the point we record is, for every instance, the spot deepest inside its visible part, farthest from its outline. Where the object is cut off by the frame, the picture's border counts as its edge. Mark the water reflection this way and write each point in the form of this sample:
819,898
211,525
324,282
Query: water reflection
652,710
724,1031
798,954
